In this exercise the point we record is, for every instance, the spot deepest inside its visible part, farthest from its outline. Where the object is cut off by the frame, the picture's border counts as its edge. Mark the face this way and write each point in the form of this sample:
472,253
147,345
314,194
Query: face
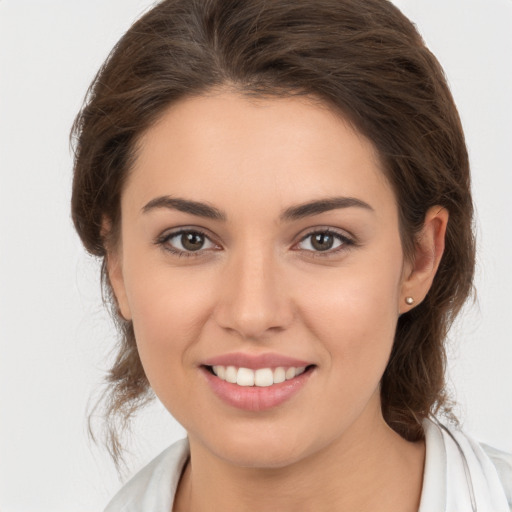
261,235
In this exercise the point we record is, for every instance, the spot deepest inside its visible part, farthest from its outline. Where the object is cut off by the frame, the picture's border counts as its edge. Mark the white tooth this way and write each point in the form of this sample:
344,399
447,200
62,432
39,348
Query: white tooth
231,374
290,373
300,370
279,375
263,377
245,377
220,371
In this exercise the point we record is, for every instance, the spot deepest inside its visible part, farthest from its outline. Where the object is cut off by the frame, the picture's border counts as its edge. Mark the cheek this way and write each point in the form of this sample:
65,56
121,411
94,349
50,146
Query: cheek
168,314
354,311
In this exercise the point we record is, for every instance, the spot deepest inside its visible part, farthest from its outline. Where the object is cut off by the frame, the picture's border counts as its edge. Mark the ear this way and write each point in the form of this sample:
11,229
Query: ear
429,247
114,267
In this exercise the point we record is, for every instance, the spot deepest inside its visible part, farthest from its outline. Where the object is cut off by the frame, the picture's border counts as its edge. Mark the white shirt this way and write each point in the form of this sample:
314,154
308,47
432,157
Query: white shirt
460,475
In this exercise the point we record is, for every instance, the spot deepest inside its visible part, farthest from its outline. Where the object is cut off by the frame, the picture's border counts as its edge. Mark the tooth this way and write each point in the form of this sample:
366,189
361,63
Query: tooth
263,377
245,377
290,373
231,374
220,371
300,370
279,375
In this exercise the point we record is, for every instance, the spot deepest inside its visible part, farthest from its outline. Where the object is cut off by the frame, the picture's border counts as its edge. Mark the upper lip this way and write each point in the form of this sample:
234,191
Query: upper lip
253,361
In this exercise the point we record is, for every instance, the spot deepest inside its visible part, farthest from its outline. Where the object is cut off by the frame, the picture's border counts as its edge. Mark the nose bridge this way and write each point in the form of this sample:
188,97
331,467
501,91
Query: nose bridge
254,300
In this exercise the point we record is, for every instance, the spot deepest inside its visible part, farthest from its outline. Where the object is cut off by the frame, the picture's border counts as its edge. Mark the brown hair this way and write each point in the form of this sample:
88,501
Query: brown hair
365,60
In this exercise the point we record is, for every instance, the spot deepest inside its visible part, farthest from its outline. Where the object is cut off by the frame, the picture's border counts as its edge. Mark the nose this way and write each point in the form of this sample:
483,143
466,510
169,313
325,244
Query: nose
254,301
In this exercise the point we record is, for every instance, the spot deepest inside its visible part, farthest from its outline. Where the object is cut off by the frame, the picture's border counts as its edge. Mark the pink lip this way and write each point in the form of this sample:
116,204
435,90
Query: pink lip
268,360
254,398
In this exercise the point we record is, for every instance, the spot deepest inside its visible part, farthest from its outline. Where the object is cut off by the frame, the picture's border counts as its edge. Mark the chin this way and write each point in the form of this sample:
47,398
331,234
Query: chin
266,447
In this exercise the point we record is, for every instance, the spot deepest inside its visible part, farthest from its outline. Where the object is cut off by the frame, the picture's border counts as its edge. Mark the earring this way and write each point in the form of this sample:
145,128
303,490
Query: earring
409,301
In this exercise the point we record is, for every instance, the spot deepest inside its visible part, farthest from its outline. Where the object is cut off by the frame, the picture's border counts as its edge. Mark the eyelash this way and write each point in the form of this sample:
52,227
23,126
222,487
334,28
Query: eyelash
163,241
346,242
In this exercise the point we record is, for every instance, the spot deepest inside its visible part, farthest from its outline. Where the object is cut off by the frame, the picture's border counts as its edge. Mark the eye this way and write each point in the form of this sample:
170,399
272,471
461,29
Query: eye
186,242
324,241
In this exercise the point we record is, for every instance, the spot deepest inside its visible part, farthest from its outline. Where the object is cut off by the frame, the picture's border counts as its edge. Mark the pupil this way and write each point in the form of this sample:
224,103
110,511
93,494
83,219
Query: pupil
192,241
322,241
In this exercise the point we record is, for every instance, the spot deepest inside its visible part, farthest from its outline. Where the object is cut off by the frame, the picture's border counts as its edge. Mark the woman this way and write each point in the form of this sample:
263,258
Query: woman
280,194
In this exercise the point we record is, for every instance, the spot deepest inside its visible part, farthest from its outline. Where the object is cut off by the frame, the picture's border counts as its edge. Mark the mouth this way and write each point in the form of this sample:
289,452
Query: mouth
256,389
260,377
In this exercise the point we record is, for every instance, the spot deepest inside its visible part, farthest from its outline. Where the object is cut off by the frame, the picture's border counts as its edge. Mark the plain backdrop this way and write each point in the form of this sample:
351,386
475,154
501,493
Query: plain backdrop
55,336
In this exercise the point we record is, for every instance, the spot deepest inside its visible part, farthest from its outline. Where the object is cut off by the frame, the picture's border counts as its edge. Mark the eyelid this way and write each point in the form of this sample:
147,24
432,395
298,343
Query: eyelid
347,241
163,239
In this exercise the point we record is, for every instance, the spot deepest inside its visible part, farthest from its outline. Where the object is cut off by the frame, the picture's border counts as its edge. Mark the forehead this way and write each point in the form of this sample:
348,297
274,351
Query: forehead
224,146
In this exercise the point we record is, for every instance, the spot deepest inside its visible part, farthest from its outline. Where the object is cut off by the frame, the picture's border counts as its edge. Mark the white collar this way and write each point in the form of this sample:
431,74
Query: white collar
458,477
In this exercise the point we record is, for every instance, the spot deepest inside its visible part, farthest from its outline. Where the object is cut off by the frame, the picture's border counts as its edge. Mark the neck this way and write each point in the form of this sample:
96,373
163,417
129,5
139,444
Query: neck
370,468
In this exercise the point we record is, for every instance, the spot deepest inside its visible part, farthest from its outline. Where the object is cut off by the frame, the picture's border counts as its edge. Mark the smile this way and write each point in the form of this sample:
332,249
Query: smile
261,377
258,388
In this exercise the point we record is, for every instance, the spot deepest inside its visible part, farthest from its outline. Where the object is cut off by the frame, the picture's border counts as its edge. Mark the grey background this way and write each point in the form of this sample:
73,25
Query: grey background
55,337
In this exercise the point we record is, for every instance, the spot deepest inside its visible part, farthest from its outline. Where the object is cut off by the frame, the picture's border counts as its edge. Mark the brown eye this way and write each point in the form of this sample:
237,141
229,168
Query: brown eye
192,241
185,243
322,241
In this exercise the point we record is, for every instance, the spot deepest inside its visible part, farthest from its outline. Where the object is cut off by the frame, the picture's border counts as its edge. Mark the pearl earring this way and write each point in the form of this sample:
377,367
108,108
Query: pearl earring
409,301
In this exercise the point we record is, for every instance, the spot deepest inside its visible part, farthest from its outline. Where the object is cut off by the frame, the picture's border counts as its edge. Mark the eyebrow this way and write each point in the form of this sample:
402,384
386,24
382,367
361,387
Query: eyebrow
292,213
323,205
186,206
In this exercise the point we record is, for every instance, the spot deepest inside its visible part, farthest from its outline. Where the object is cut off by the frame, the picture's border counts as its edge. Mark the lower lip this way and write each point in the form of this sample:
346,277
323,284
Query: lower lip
255,398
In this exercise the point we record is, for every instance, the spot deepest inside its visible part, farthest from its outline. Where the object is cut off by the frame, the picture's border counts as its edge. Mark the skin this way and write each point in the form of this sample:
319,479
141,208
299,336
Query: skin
258,285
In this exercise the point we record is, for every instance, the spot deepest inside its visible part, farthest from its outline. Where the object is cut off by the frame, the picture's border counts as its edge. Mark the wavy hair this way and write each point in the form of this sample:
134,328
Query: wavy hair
365,60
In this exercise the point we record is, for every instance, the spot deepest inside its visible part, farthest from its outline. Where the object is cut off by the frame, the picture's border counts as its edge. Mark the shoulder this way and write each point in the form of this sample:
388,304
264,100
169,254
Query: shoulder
502,461
463,474
154,486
